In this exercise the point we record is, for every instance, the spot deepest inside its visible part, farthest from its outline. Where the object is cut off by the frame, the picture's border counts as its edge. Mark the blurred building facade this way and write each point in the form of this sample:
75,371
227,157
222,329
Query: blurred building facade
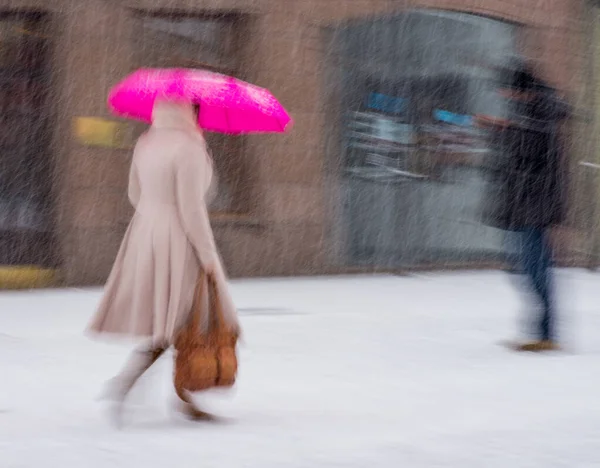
382,170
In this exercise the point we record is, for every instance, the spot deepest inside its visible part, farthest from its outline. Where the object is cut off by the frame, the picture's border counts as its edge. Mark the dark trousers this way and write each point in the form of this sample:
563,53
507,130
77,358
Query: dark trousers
535,258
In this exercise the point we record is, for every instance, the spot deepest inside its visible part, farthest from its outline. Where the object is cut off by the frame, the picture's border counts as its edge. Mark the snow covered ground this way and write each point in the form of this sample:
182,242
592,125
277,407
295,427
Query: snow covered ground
362,372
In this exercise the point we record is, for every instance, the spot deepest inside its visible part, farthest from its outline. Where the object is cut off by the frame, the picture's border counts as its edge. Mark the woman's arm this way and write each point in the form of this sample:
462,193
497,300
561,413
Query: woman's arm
134,190
193,177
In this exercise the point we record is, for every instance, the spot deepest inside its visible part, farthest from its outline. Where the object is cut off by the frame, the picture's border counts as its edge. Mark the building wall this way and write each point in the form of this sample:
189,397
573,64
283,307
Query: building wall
285,228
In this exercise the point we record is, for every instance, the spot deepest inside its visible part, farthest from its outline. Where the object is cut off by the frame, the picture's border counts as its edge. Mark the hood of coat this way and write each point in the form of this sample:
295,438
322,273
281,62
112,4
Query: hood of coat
172,114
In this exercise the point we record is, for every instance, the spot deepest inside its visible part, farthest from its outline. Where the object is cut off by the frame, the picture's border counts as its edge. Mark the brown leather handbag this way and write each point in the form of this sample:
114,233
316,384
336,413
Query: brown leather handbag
205,360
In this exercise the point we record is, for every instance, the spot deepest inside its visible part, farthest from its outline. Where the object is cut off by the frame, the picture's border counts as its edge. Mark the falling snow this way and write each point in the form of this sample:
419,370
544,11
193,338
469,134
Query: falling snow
387,169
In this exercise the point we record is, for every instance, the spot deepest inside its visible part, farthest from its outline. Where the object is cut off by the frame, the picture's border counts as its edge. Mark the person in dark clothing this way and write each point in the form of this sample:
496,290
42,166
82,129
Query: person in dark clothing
529,183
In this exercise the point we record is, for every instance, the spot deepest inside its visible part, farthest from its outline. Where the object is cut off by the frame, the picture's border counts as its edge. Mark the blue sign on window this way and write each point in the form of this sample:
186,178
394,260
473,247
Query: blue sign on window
452,118
385,103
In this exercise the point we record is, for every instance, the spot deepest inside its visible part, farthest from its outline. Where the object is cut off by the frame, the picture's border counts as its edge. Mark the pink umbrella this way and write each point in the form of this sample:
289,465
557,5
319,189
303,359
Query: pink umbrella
227,105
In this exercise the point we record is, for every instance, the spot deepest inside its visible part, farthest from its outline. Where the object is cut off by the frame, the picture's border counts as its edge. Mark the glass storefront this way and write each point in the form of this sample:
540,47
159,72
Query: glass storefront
412,180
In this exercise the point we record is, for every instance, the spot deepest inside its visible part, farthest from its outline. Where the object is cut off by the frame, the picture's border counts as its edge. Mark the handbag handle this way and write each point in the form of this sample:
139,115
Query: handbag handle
217,318
215,308
195,316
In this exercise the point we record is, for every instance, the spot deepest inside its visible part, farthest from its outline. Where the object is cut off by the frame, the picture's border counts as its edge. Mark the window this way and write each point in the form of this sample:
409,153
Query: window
206,42
413,176
25,138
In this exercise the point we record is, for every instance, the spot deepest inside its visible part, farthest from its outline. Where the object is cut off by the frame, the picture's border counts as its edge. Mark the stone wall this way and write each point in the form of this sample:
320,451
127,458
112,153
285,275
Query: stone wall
285,227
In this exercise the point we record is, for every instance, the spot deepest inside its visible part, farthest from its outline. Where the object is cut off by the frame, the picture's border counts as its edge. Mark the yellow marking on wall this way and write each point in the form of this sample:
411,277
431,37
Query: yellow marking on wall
95,131
27,277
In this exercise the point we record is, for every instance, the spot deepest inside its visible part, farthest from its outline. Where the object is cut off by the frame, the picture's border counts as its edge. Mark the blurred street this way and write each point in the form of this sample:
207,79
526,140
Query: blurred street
342,372
143,142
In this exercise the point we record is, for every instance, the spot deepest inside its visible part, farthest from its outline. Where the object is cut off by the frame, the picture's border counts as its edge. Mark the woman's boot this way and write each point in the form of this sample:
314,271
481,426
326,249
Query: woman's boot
121,385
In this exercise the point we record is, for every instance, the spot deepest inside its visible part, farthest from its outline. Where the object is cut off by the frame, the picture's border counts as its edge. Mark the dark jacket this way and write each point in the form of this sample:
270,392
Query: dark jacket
528,186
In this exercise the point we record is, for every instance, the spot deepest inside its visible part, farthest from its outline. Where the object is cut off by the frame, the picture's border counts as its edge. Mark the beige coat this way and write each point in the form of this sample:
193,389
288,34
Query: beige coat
149,291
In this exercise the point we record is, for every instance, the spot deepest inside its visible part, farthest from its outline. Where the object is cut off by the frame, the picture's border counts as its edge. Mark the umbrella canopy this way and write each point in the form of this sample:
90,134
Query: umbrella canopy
227,105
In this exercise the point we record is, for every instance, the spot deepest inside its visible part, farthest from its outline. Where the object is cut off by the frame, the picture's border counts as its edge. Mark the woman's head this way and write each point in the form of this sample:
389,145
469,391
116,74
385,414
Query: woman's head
175,114
196,108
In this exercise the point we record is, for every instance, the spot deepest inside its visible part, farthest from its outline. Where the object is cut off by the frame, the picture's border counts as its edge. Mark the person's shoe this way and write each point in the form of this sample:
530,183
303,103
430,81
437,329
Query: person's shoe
193,413
537,346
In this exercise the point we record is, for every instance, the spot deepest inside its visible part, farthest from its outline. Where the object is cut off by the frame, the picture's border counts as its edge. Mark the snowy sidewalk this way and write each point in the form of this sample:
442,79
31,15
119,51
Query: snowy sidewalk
348,372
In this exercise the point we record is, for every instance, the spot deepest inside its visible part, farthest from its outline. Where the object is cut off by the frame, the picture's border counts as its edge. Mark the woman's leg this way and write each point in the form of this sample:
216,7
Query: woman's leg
120,386
139,362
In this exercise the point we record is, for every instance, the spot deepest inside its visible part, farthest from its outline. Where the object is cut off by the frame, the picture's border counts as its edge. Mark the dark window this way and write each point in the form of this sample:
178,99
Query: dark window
25,138
205,42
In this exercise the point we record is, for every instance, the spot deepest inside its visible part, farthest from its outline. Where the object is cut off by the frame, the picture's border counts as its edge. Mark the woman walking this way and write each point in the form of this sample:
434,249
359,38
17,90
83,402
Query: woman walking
150,290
